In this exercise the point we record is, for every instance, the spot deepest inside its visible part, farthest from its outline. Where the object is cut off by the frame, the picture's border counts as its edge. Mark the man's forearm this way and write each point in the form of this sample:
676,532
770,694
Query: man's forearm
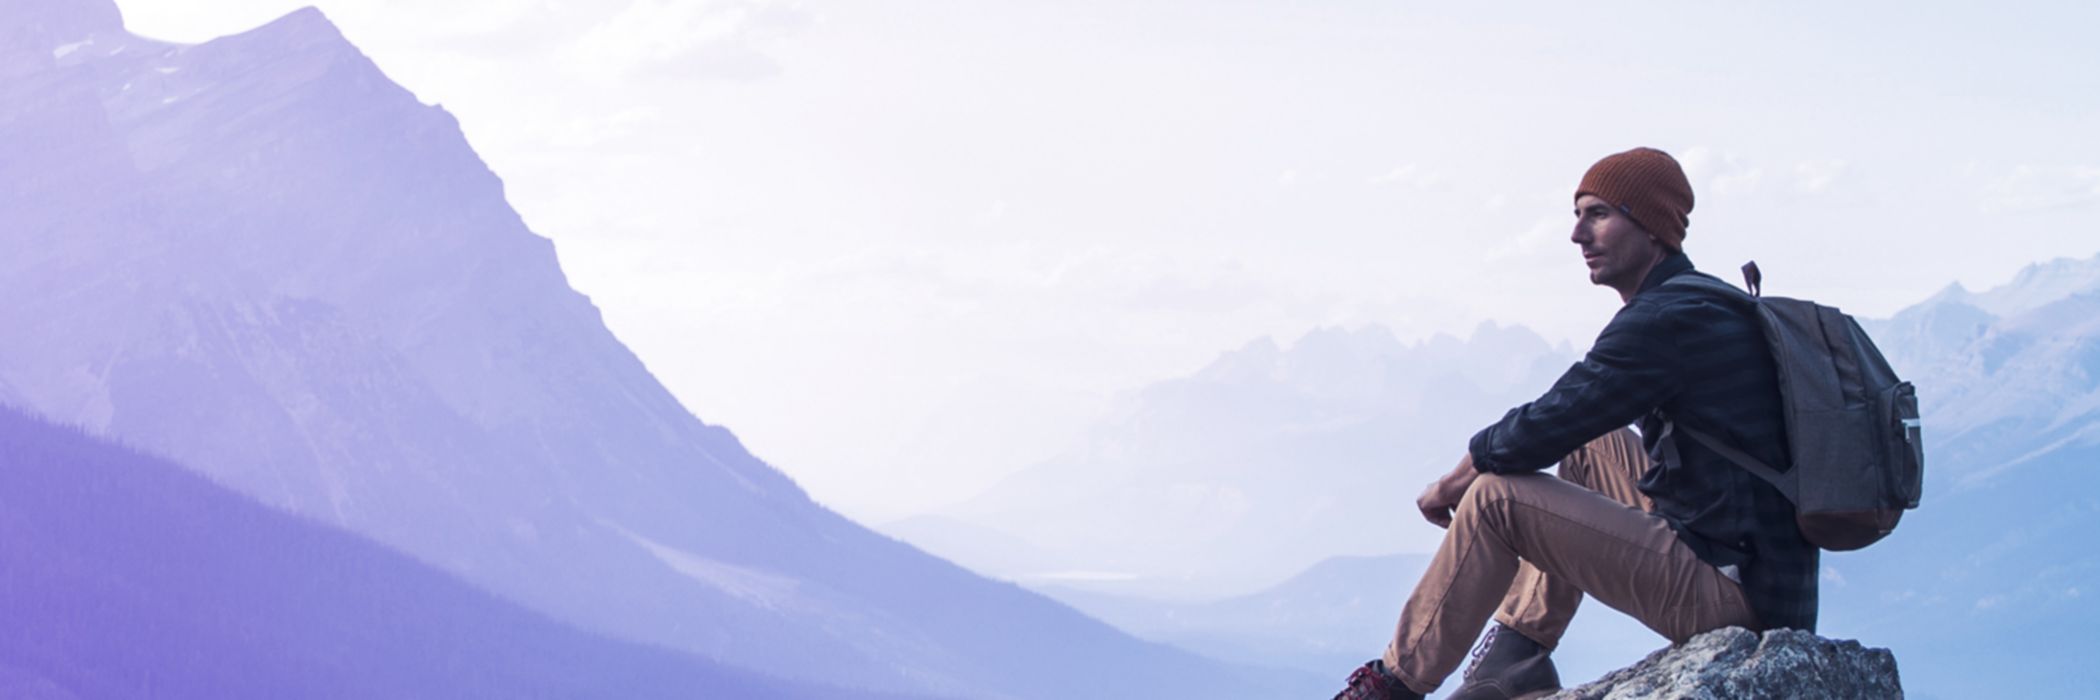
1442,495
1461,477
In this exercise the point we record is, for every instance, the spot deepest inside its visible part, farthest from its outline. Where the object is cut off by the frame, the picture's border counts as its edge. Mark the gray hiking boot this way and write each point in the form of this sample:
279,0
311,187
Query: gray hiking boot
1508,666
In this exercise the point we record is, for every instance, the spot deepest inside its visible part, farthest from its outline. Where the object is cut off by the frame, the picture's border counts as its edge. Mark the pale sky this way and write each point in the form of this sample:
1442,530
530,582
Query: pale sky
904,248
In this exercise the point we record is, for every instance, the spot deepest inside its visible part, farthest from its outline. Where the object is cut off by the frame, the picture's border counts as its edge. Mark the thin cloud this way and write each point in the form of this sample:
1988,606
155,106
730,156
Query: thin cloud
1719,173
1815,176
2033,188
1411,175
714,38
1545,234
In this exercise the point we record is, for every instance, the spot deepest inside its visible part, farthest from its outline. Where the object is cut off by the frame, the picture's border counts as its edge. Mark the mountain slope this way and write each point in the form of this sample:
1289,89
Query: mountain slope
127,576
259,256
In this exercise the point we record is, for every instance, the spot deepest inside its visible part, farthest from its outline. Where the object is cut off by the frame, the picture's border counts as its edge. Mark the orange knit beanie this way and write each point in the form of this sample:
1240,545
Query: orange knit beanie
1645,184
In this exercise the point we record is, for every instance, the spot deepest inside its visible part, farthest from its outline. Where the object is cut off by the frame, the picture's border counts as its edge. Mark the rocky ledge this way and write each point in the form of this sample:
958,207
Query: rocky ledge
1737,664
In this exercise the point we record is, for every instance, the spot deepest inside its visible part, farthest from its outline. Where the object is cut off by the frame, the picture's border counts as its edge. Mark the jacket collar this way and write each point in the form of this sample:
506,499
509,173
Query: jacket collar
1672,265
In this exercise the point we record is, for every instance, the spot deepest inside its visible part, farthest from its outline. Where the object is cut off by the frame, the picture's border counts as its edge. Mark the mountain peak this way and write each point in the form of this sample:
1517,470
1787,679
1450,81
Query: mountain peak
305,19
1329,341
1512,338
1954,292
2039,284
305,27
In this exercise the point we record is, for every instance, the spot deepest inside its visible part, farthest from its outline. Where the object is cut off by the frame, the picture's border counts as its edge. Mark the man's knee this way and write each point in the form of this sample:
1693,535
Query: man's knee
1493,490
1611,465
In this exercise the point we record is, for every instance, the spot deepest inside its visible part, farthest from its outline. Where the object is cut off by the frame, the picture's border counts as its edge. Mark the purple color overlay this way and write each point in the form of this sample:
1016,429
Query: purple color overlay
128,576
261,259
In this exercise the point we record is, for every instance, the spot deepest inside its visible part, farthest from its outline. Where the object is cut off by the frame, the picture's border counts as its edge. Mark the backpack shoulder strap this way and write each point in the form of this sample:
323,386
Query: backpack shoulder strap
1707,282
1784,481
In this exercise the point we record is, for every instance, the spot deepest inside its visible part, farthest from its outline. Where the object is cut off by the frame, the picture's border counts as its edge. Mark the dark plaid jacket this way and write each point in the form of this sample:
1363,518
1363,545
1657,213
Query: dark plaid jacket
1700,358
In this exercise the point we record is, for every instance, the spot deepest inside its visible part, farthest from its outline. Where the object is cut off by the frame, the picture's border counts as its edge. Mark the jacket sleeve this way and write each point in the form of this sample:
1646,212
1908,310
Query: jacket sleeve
1632,368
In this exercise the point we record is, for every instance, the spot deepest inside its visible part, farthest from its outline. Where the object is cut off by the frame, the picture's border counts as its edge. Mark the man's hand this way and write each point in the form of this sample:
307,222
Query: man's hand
1441,497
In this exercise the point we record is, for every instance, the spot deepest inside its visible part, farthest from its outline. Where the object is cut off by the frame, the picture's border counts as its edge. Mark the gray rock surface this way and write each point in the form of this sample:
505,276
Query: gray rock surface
1735,663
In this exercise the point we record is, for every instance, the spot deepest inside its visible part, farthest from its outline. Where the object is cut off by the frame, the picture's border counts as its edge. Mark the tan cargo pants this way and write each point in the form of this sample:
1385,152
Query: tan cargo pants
1535,544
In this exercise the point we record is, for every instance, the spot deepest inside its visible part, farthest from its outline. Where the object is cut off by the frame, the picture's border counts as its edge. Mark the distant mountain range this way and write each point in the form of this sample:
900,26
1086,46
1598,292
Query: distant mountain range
1983,592
1264,463
1334,615
262,259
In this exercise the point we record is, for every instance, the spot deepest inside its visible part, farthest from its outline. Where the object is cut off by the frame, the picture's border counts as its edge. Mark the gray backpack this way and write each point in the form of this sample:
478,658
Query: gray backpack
1851,424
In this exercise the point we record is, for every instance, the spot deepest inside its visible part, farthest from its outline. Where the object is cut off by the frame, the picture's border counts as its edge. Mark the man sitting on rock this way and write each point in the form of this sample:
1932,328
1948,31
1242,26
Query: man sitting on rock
1685,543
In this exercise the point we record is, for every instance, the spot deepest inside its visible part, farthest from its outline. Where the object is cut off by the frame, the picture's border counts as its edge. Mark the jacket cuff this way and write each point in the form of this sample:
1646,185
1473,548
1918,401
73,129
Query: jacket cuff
1478,447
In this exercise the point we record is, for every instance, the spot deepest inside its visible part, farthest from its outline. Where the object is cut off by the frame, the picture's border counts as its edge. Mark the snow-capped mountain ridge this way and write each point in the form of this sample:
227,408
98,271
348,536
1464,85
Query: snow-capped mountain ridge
2005,374
2034,286
2009,384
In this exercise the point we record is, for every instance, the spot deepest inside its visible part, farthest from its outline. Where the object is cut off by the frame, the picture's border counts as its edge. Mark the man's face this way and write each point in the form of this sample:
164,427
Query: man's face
1617,250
